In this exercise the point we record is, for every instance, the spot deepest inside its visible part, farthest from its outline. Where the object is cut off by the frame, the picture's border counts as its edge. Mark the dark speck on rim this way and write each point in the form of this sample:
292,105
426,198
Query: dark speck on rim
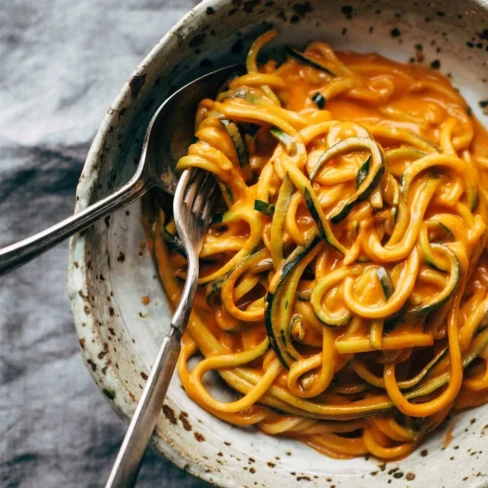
144,376
92,365
398,475
305,478
210,11
395,32
347,10
185,422
135,84
109,393
197,40
302,9
281,15
249,5
436,64
111,311
424,452
484,35
199,437
170,414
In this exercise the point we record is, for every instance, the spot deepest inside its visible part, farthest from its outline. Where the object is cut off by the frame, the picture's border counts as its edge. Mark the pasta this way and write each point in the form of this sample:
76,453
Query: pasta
344,289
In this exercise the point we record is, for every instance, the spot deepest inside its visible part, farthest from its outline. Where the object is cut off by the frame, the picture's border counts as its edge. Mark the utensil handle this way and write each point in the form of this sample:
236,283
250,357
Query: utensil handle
126,467
23,251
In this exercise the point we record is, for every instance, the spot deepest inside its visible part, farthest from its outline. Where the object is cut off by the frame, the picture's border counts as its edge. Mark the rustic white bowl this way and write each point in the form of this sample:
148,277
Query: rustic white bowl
110,269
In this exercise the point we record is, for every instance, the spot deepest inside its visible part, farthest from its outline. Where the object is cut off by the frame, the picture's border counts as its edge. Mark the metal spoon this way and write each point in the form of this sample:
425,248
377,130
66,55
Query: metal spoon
167,138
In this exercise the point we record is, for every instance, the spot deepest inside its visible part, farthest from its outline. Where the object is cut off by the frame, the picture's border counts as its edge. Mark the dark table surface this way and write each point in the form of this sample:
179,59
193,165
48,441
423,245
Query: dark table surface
62,62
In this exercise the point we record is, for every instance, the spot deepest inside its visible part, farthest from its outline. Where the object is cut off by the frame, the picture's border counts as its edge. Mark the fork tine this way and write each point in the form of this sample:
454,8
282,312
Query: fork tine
203,194
207,209
192,188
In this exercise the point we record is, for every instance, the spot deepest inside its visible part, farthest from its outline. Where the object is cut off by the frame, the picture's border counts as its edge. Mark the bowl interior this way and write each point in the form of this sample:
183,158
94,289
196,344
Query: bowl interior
111,269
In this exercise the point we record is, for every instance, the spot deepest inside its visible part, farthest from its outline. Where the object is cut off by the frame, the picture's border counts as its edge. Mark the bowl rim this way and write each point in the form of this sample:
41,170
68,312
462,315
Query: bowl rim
124,405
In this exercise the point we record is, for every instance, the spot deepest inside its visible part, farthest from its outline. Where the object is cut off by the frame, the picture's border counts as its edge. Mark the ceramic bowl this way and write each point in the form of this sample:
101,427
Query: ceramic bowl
110,269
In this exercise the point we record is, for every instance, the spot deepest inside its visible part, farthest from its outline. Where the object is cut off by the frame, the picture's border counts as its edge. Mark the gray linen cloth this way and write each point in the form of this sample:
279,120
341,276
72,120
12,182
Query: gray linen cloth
62,62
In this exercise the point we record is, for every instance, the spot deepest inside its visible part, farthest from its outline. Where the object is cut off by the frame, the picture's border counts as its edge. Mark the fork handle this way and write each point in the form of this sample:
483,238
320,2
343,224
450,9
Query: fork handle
126,467
23,251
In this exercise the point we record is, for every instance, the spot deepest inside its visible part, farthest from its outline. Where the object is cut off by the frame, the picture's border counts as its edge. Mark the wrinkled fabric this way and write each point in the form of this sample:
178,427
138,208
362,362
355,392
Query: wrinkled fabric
62,62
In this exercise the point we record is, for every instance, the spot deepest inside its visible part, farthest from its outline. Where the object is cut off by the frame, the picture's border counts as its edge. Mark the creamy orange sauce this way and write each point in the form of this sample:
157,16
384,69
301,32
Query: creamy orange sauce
342,289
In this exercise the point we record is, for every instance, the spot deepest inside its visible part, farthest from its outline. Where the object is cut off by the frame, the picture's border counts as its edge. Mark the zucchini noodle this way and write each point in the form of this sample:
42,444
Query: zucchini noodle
343,290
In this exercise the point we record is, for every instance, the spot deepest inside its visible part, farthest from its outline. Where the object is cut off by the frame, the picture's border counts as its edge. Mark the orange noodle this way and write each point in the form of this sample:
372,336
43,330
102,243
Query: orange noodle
344,288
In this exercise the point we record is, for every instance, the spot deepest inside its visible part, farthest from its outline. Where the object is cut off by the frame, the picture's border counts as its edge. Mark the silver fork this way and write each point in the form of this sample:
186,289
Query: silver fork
194,201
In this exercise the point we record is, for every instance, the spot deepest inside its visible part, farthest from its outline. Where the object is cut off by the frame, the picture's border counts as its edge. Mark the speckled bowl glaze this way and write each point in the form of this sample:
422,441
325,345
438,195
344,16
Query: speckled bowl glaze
110,269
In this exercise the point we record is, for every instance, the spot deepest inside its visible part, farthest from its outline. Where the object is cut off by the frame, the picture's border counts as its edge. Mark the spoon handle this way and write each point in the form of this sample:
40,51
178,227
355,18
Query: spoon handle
23,251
